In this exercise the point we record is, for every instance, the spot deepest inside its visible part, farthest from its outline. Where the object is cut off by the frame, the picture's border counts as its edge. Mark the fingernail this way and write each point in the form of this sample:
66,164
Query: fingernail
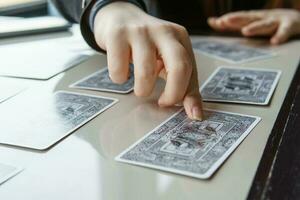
197,114
245,31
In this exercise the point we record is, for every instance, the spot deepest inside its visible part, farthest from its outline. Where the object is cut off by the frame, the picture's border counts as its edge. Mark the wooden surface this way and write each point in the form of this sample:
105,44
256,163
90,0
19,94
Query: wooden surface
278,175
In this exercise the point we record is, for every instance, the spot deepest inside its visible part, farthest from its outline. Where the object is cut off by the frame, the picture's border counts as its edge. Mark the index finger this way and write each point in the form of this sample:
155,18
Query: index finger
178,67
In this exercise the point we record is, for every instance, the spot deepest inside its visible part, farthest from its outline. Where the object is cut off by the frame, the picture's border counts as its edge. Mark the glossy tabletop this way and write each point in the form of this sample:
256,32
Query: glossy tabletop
82,166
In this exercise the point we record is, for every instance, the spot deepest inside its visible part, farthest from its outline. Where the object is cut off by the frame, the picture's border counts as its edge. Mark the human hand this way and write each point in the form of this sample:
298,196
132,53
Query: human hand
157,48
280,24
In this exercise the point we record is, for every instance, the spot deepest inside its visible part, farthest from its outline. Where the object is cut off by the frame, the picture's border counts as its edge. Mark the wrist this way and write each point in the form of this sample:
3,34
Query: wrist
115,14
101,5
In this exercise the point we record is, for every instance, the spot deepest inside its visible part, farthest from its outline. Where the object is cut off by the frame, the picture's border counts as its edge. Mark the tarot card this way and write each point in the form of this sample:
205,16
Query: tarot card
44,120
100,81
241,85
7,172
188,147
233,53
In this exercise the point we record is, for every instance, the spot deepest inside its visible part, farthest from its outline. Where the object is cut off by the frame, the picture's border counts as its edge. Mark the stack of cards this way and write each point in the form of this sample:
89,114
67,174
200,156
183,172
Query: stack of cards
233,53
100,81
191,148
240,85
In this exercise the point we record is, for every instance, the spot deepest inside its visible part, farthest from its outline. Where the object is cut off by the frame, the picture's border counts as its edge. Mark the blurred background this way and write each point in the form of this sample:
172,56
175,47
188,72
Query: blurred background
26,8
43,41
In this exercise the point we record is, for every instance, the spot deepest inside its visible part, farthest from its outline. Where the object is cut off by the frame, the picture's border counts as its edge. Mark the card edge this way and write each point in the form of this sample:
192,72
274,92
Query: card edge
271,54
12,174
75,84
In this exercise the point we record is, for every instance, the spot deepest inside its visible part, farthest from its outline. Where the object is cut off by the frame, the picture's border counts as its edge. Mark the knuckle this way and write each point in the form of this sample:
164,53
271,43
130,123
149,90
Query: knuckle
117,76
144,79
117,30
270,23
165,28
184,65
146,74
174,99
139,28
182,30
184,68
286,28
142,89
141,93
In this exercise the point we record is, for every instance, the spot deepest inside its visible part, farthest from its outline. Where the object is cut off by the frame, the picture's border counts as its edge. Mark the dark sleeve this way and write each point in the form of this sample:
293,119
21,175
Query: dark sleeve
84,12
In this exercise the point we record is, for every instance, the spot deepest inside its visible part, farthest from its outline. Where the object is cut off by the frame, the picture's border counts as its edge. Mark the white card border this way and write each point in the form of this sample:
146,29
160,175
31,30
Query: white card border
13,94
213,168
74,85
114,101
10,175
50,144
267,100
270,54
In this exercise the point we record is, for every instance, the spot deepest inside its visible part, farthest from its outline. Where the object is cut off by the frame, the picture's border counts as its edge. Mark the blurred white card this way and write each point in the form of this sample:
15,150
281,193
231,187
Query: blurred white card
7,172
8,90
10,27
42,59
231,52
8,18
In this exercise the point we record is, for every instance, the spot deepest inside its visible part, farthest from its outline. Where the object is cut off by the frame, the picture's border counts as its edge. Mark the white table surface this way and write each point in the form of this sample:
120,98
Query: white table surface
82,165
